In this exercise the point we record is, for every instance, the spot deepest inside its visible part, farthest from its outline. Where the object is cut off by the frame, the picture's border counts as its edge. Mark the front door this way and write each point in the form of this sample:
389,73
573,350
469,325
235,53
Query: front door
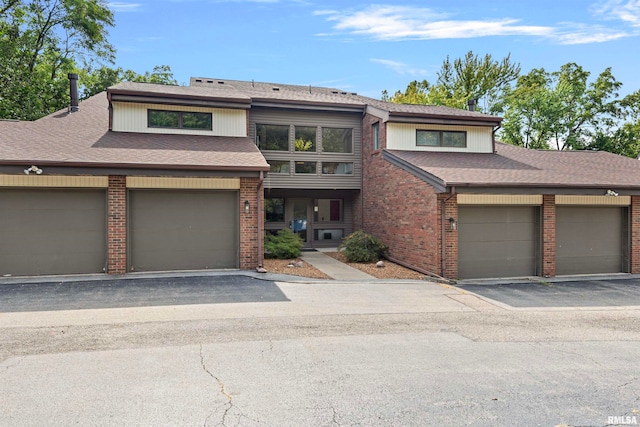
300,219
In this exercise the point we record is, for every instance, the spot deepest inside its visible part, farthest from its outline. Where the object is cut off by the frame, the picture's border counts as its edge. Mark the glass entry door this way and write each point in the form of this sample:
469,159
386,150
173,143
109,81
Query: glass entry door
300,223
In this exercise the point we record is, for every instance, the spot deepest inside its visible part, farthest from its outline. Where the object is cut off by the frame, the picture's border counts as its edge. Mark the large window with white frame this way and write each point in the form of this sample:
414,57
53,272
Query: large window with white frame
179,120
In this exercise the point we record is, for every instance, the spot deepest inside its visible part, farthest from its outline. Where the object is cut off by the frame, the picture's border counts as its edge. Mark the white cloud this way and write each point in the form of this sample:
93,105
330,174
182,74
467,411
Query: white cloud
585,34
399,67
626,11
399,22
119,6
392,23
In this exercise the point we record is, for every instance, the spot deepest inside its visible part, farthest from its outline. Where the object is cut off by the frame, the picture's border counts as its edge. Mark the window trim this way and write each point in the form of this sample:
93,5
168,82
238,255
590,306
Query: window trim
180,120
441,138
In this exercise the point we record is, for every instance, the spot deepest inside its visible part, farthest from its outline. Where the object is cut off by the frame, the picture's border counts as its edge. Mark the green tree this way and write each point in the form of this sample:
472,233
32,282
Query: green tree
562,109
40,42
98,80
470,77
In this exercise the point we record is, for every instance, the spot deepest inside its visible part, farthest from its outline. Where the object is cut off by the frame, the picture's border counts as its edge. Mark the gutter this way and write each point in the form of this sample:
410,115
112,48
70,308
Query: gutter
443,248
260,219
493,137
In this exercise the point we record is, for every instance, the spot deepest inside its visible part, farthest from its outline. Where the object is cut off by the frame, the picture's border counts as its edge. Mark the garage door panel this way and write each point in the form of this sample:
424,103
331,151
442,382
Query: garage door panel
52,231
497,241
183,230
590,239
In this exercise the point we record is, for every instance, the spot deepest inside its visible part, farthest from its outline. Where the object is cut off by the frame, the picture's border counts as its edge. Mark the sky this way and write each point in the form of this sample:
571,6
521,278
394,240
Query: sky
370,47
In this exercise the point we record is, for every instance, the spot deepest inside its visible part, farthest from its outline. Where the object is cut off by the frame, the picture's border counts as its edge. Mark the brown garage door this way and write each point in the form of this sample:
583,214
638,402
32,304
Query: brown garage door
183,230
497,241
590,239
52,231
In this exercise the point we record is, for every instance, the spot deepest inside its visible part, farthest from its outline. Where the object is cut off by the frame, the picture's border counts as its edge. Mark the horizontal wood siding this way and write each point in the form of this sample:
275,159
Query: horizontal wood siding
401,136
313,119
132,117
593,200
499,199
54,181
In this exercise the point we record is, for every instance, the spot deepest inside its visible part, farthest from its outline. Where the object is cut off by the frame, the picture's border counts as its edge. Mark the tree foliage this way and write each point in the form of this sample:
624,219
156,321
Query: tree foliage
40,42
95,81
470,77
561,109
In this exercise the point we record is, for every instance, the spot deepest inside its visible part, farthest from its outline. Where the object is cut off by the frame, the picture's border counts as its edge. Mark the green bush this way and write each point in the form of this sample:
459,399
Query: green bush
284,245
362,247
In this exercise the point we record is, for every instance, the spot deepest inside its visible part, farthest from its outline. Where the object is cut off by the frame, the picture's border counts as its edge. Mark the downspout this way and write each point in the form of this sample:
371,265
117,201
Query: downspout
493,136
443,223
110,111
260,219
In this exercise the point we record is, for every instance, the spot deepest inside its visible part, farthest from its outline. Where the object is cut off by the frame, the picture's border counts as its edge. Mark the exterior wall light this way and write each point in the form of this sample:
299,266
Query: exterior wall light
35,169
611,193
453,223
247,206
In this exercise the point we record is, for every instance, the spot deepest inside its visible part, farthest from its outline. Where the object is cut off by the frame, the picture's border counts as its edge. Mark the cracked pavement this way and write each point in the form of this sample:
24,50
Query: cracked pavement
374,366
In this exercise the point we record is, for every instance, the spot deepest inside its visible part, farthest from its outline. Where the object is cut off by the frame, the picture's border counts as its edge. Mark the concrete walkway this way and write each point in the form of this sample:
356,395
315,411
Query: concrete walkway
333,268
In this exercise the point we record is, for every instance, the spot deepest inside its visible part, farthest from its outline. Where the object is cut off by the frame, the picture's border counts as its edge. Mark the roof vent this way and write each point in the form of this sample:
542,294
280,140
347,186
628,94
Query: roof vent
334,91
276,88
220,82
198,80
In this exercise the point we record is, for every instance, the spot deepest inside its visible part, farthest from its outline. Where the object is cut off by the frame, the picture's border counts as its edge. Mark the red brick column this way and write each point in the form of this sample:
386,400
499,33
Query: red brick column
117,225
249,223
635,235
450,235
549,235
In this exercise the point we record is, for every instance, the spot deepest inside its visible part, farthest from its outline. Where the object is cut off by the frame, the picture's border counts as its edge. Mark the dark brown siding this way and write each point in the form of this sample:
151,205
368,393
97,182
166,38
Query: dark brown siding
52,231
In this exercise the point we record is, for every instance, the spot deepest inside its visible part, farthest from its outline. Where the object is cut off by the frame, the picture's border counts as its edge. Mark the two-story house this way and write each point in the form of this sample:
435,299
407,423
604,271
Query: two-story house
149,177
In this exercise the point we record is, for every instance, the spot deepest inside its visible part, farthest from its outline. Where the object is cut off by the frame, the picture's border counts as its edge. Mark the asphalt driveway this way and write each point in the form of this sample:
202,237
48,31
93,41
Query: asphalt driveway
578,293
136,292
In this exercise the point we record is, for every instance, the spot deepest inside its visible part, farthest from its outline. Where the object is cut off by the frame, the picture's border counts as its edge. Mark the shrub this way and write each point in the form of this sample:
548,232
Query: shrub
362,247
284,245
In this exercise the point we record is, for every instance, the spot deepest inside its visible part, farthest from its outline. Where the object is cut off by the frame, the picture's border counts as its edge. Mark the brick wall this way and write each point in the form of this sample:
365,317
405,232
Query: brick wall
249,223
117,225
399,208
548,235
635,235
450,235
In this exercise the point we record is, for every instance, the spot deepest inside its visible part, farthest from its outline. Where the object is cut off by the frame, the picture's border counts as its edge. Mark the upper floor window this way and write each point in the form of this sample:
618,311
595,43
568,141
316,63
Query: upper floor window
179,120
272,137
278,166
337,140
305,138
337,168
441,138
375,135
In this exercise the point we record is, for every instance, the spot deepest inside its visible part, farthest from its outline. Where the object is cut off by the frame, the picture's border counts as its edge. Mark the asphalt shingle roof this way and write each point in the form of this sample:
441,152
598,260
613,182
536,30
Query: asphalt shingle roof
513,166
83,138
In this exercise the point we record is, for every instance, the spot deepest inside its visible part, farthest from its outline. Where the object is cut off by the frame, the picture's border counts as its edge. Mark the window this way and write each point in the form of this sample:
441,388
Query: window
441,138
337,168
375,135
179,120
305,138
337,140
272,137
274,209
278,166
306,167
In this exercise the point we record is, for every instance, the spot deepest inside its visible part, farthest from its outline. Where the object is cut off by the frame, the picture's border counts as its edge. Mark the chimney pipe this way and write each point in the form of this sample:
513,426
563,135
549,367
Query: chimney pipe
472,104
73,92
